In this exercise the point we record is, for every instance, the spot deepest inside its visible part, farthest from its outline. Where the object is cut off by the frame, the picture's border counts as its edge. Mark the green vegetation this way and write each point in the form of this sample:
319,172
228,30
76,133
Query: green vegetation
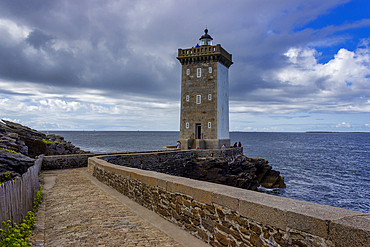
38,199
7,177
17,235
49,141
8,150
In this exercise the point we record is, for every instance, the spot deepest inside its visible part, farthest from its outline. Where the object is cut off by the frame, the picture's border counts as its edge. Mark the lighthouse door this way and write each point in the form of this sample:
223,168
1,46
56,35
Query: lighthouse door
198,131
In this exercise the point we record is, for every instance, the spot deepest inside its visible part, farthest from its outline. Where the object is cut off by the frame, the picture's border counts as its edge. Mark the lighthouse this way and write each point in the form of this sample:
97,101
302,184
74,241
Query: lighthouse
204,117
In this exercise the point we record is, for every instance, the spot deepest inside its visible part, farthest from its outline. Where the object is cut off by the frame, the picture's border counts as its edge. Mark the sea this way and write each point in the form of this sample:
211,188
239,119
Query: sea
325,168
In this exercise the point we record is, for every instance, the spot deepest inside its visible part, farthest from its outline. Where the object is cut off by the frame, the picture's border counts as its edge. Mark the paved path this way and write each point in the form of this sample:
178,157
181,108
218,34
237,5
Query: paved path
78,210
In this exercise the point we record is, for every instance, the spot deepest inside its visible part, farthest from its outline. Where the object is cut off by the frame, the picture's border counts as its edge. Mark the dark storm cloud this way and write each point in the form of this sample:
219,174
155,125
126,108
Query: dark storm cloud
38,38
15,65
63,18
92,45
129,47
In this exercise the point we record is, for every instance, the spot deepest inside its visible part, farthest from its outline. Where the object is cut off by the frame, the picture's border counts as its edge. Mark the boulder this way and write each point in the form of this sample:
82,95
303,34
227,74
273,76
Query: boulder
240,171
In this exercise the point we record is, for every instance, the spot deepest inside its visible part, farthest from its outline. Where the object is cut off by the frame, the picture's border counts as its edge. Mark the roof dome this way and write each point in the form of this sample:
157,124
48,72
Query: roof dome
206,39
206,35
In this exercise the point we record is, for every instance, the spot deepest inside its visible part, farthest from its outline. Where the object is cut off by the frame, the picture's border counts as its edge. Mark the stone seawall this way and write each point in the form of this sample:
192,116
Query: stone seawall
227,216
169,162
55,162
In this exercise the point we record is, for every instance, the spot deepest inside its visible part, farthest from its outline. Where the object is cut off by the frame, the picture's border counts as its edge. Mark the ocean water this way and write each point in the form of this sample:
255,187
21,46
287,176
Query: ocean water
326,168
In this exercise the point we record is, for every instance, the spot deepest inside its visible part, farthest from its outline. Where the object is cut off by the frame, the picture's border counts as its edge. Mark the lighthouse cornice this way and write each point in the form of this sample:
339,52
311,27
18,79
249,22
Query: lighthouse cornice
205,53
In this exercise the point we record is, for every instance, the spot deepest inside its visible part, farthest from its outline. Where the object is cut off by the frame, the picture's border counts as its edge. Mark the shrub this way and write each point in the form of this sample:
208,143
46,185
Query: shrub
15,235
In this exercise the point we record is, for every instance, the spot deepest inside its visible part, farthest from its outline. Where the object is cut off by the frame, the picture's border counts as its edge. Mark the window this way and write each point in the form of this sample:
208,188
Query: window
209,96
187,98
209,125
210,69
199,72
188,71
199,99
187,125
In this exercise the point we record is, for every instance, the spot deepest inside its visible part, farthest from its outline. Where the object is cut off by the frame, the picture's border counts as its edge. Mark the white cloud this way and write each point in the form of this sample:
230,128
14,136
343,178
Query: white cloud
347,72
89,108
13,31
343,125
340,85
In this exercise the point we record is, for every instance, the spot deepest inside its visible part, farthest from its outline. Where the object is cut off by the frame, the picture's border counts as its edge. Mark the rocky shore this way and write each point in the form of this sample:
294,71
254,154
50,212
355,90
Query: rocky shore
239,171
20,145
227,167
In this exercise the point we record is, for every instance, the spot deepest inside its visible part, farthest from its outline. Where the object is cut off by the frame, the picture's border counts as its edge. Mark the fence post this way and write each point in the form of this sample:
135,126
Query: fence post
17,196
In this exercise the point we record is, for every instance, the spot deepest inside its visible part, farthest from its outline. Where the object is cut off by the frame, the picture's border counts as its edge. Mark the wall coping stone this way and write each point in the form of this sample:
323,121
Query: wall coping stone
343,227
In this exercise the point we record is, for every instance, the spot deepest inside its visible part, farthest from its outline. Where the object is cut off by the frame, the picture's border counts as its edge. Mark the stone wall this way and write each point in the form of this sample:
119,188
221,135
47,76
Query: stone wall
227,216
166,161
170,162
55,162
204,112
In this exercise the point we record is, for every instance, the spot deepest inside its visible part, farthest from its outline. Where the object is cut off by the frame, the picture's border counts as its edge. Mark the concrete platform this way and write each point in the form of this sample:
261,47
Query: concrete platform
78,210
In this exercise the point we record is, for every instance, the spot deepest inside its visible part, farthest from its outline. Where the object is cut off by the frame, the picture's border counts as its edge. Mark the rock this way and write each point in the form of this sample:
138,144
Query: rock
60,149
31,138
13,142
28,144
270,179
4,178
16,162
35,147
241,172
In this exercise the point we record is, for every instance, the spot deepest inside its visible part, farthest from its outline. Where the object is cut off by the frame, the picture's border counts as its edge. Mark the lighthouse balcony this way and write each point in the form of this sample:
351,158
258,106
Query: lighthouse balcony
215,52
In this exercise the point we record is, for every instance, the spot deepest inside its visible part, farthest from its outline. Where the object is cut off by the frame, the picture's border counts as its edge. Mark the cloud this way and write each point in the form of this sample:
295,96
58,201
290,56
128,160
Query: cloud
63,62
130,47
38,38
343,124
303,84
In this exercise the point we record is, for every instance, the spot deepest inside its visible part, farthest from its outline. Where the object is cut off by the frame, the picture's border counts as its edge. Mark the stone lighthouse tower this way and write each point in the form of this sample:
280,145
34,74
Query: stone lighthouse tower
204,117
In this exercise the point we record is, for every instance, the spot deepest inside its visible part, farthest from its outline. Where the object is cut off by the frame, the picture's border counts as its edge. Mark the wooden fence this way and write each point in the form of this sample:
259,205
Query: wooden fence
17,196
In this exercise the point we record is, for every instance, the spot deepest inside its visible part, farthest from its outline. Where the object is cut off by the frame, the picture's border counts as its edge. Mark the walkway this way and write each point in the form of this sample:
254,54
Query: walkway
78,210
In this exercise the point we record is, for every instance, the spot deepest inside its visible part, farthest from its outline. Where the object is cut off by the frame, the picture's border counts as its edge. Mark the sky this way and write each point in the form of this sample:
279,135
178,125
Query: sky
300,65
